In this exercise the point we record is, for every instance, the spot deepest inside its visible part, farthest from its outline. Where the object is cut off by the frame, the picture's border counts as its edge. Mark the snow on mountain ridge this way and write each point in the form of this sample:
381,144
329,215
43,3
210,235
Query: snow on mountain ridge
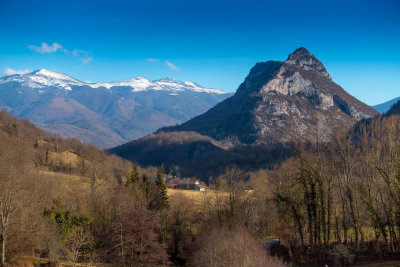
42,78
53,75
139,82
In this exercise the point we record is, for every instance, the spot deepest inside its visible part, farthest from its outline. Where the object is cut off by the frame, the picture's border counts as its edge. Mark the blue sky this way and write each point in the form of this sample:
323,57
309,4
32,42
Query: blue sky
214,43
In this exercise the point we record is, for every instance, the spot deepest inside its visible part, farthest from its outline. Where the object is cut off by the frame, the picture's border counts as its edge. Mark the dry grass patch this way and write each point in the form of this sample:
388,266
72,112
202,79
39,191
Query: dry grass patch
70,181
197,198
66,158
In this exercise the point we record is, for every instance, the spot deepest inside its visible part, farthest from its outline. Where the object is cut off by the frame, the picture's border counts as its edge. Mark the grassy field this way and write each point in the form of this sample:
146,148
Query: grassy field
71,182
187,193
196,196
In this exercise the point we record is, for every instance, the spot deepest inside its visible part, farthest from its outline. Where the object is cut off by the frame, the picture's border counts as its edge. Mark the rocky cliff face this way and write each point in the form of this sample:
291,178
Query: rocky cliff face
280,102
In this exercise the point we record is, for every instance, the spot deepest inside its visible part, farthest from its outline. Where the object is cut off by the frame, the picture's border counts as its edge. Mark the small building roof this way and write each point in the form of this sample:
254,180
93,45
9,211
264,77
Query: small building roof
188,182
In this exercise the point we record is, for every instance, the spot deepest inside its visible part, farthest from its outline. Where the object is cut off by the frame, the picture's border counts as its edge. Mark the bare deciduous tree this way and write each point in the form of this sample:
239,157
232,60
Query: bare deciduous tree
235,248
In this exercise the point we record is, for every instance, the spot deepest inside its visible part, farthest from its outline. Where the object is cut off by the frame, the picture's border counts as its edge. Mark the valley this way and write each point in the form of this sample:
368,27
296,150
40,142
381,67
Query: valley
201,133
295,171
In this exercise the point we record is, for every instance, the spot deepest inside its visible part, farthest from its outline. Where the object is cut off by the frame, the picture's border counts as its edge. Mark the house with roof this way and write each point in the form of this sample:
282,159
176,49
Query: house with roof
190,185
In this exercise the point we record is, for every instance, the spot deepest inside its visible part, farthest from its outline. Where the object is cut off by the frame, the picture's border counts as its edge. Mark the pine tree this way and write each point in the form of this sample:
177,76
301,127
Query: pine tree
133,176
163,189
145,183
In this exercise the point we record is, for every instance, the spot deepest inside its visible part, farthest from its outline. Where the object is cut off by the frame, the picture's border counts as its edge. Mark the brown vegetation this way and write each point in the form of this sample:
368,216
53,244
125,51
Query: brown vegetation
338,201
71,203
331,203
37,168
235,247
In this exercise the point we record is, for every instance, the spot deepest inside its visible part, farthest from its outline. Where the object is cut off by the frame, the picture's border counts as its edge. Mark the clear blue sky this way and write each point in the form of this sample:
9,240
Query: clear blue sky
211,42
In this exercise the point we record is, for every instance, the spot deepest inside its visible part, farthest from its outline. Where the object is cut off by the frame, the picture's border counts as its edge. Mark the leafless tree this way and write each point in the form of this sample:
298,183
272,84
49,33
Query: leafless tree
12,184
235,248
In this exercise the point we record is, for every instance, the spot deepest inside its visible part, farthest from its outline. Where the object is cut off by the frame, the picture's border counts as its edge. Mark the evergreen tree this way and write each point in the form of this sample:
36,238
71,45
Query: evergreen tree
65,220
145,183
133,176
163,189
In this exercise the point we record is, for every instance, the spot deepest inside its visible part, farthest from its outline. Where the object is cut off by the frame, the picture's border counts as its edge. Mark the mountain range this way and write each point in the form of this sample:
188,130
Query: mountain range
278,102
384,107
103,114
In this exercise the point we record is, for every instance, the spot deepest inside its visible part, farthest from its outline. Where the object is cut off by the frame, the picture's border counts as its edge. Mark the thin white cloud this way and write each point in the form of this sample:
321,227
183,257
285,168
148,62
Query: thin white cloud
79,53
84,56
151,60
86,60
10,71
171,65
45,48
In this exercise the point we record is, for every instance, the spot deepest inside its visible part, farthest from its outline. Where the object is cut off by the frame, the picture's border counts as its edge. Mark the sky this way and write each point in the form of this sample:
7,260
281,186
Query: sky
213,43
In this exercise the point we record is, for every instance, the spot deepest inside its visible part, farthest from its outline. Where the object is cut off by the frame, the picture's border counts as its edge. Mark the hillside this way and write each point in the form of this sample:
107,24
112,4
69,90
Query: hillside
394,109
384,107
67,203
190,154
103,114
58,197
53,154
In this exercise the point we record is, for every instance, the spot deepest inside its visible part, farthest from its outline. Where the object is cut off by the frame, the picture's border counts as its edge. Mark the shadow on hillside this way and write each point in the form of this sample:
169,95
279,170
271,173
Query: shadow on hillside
196,155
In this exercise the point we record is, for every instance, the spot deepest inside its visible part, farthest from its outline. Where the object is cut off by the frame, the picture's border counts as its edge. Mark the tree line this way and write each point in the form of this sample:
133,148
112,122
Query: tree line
339,200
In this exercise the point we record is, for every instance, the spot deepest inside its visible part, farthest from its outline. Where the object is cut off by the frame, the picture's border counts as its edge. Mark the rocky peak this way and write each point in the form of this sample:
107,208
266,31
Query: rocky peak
259,75
289,77
302,58
279,102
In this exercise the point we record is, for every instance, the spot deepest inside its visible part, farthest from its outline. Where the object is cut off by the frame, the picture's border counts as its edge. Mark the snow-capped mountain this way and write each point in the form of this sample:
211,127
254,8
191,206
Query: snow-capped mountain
143,84
44,78
104,114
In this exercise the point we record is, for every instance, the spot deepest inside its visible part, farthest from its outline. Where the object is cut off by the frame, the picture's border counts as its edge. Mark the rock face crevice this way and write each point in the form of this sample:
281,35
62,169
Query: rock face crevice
279,102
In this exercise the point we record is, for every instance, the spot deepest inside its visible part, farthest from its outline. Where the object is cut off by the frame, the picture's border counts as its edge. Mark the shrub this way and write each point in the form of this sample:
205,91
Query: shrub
223,247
